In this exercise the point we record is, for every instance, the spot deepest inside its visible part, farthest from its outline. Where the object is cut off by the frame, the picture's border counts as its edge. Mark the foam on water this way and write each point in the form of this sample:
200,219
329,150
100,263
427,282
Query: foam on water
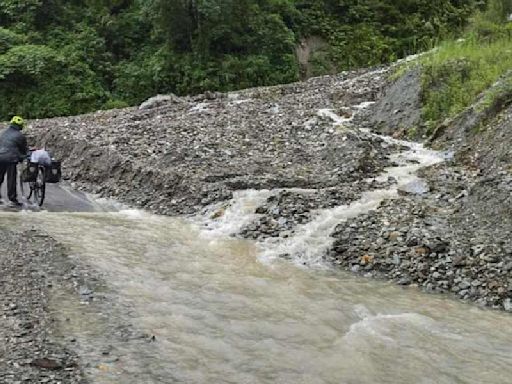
228,219
338,120
134,213
378,325
312,240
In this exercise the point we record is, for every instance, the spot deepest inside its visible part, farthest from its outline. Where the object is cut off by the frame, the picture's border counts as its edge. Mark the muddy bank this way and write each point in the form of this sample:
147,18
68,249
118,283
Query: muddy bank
31,266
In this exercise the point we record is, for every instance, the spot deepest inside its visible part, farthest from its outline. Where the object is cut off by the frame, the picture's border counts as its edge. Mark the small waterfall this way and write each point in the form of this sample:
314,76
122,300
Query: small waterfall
227,219
311,241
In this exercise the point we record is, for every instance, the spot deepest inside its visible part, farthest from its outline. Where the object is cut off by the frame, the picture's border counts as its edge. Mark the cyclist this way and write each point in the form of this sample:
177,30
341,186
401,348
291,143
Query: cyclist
13,149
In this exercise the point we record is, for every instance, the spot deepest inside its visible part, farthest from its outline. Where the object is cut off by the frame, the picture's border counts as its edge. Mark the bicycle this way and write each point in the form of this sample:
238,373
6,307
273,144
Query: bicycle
33,183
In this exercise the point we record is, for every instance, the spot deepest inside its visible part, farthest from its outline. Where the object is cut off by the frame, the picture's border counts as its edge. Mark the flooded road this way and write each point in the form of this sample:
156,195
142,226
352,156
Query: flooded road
220,315
215,309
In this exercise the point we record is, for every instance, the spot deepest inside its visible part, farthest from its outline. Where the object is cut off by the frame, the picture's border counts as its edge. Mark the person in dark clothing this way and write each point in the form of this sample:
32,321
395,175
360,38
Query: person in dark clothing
13,149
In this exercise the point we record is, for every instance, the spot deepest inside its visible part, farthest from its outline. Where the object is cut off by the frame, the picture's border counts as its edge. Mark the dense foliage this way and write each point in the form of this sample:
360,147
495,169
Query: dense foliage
458,71
62,57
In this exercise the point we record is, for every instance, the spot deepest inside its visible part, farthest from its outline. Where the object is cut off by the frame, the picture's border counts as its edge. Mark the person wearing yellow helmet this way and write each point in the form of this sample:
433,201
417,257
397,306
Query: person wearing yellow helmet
18,120
13,149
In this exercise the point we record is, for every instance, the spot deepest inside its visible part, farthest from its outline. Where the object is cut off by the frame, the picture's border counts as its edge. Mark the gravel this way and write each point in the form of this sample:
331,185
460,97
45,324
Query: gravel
53,325
28,352
434,241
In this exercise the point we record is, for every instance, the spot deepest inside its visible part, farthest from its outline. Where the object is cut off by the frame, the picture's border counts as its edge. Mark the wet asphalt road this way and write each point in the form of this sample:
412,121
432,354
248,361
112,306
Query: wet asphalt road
59,198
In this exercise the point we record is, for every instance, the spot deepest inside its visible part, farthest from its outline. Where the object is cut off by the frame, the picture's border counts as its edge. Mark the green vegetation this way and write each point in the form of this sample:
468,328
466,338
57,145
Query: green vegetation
458,71
61,57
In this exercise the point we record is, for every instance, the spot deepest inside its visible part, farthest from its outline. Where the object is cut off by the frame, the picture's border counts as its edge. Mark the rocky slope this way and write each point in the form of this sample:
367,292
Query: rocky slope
454,238
178,155
175,155
434,241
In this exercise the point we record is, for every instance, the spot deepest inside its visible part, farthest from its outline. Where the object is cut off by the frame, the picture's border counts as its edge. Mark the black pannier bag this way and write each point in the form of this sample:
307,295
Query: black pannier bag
53,173
29,172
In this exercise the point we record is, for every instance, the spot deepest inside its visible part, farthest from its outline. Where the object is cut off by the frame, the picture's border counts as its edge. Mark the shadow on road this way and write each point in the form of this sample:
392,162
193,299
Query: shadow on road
59,198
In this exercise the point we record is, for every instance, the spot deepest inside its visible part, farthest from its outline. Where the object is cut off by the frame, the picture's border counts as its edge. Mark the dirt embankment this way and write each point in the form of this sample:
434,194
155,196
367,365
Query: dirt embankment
397,111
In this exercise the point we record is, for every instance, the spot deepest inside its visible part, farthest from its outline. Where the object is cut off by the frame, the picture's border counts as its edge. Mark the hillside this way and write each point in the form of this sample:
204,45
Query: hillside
70,57
181,154
312,146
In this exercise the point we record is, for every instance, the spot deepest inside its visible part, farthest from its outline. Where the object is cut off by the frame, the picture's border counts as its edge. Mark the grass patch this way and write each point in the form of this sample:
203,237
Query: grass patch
502,93
457,72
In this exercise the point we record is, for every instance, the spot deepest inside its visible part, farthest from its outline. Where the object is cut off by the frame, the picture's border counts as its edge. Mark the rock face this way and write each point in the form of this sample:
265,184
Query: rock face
398,109
305,52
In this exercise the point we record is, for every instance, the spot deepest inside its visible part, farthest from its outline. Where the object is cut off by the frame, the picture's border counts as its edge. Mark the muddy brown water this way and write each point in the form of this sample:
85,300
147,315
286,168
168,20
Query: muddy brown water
224,310
221,315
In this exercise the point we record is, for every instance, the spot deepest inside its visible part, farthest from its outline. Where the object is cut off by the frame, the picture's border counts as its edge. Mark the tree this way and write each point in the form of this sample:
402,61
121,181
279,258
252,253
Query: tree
112,52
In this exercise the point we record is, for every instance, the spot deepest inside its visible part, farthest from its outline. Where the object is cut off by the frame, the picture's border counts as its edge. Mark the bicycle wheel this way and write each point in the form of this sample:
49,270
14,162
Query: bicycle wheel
25,188
39,186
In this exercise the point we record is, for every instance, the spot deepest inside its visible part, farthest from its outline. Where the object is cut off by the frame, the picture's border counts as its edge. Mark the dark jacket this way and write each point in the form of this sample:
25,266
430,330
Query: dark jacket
13,145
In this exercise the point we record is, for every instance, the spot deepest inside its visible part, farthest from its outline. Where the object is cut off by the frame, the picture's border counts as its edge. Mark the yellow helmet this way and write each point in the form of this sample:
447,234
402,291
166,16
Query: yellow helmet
18,120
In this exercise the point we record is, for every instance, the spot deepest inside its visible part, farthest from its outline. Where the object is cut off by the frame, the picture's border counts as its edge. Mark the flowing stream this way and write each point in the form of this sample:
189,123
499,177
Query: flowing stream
224,310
